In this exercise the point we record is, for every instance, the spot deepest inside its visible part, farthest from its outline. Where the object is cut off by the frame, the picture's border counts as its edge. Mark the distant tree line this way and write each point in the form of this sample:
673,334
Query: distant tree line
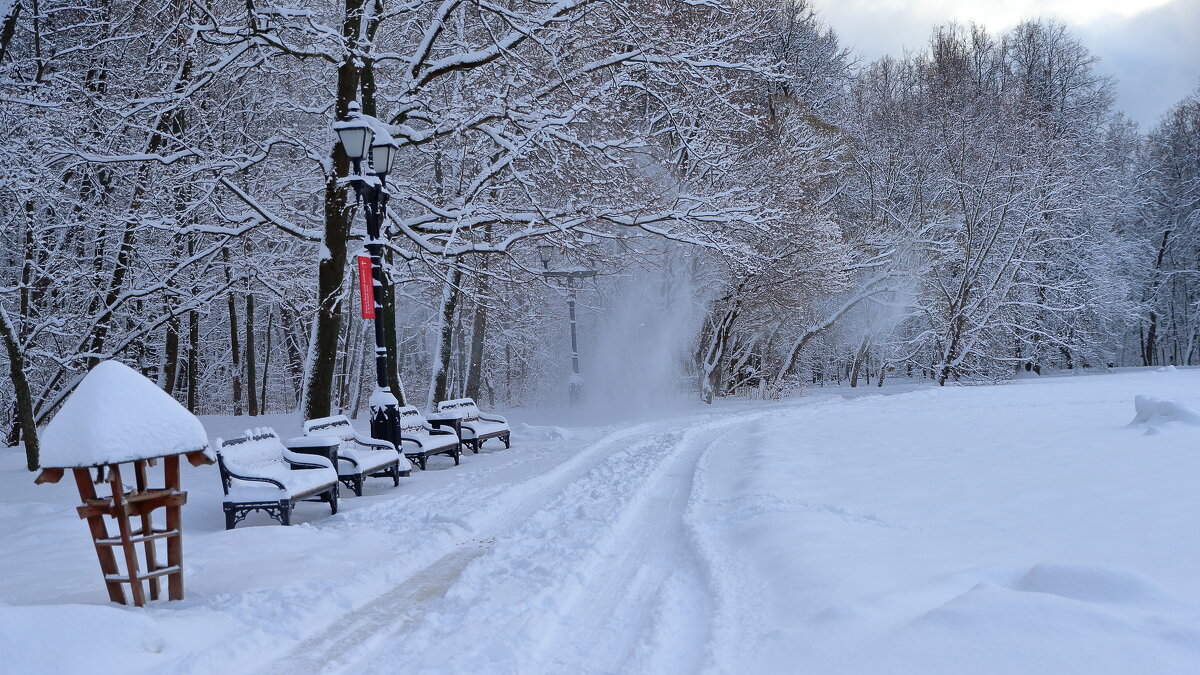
171,196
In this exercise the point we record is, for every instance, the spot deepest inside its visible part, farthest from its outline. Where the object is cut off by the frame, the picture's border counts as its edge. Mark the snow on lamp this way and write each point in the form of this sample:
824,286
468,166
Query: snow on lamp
354,133
118,417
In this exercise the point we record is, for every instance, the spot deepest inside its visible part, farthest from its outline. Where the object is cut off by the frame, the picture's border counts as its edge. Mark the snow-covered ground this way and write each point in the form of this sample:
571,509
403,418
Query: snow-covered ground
1019,528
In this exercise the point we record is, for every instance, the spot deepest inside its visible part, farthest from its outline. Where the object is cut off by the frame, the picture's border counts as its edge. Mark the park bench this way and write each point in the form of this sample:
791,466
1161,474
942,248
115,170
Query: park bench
260,473
421,441
359,456
473,426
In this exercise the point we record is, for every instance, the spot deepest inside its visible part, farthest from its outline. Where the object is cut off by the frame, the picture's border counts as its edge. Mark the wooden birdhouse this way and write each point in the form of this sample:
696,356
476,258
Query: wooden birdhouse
117,426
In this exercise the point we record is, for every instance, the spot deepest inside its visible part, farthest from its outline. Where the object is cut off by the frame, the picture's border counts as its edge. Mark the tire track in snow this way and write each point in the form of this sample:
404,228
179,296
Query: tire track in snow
605,526
645,599
338,647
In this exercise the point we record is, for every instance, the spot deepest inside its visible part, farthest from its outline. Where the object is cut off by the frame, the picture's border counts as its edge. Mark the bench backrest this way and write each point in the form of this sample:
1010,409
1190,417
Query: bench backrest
412,422
337,425
465,408
247,454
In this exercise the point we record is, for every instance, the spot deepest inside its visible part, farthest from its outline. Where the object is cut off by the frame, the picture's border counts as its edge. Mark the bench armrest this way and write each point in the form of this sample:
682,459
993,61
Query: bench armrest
303,461
233,474
493,418
367,442
455,423
410,439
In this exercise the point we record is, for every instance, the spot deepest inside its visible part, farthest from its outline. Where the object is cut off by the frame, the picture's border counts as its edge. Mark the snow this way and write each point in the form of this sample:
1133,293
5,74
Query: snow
1154,414
116,415
911,529
263,457
381,398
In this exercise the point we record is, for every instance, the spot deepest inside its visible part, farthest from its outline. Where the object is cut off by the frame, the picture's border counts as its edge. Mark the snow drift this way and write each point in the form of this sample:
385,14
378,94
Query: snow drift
1153,412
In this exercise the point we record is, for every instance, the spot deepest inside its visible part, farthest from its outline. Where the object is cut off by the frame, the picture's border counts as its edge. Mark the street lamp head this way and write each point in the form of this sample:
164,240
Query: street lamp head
544,253
354,132
383,155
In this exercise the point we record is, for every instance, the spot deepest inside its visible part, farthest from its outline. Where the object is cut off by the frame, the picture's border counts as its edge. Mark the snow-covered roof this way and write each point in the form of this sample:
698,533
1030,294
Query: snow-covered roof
116,415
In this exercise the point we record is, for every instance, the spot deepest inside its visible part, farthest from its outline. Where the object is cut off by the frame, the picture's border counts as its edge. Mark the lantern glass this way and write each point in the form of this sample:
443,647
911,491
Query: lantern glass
383,155
355,136
544,253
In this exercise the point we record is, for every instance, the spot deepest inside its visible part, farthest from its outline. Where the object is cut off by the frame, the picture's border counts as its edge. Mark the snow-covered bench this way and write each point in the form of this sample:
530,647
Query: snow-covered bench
359,456
474,426
420,441
258,473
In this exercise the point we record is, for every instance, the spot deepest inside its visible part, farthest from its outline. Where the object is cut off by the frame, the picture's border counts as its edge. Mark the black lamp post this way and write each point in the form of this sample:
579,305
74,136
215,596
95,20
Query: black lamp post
364,137
575,390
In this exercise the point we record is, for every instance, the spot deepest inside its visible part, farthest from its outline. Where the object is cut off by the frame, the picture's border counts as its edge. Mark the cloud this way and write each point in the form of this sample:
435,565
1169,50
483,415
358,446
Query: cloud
1152,47
1155,57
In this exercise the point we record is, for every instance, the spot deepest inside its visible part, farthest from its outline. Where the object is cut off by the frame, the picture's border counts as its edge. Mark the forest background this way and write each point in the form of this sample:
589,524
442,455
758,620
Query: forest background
764,211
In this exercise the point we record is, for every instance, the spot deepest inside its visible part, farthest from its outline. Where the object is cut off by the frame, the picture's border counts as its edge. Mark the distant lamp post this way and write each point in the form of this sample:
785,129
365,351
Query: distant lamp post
575,390
364,137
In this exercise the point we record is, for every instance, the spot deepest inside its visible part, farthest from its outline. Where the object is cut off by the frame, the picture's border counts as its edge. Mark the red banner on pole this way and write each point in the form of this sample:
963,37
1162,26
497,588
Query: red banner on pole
366,287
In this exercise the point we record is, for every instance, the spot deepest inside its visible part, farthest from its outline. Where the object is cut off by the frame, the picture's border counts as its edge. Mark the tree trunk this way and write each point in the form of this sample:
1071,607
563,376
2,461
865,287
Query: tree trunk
16,368
349,361
857,365
460,370
262,399
251,358
193,366
475,375
10,26
478,331
236,352
359,372
441,363
331,269
171,356
1151,343
290,325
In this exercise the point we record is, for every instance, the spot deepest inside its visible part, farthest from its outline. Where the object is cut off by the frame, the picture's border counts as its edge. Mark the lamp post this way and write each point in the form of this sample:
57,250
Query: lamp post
575,389
364,137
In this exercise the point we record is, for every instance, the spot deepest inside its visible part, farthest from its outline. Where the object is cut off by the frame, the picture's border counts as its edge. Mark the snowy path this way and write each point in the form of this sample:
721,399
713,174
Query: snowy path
1020,528
571,578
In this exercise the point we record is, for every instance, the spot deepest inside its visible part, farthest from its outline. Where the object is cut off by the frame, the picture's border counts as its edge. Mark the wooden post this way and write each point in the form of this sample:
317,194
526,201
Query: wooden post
175,525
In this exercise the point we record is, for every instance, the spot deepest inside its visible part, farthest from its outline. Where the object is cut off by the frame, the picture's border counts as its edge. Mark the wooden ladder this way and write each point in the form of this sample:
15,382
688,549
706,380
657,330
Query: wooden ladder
138,503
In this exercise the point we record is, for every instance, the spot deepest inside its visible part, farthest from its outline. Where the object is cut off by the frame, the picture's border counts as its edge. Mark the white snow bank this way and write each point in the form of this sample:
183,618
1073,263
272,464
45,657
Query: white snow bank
1153,412
72,636
116,415
1086,583
530,433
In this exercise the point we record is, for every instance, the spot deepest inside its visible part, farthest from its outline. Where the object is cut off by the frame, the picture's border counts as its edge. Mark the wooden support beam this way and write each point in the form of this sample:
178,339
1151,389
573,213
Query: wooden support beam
175,523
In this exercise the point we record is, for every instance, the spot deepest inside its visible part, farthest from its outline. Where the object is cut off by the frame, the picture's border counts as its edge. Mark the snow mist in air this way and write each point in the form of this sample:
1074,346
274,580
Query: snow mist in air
645,335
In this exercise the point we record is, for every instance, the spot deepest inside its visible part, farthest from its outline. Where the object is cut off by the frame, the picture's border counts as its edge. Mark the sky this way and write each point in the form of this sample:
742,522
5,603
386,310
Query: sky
1152,47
